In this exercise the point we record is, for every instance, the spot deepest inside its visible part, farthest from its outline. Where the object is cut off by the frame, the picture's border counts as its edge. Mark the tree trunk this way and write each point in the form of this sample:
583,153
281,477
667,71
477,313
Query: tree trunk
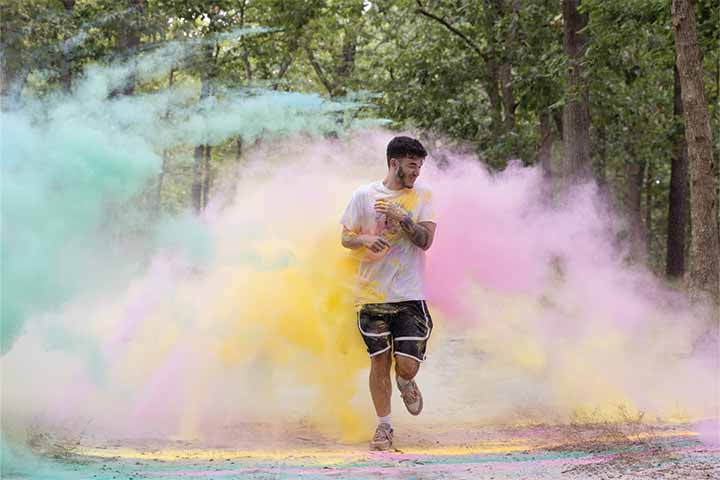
508,99
165,157
492,86
161,181
207,177
346,61
600,165
201,154
576,116
648,230
14,70
509,8
197,185
238,148
244,54
66,56
127,42
677,209
704,268
635,173
558,119
545,146
494,76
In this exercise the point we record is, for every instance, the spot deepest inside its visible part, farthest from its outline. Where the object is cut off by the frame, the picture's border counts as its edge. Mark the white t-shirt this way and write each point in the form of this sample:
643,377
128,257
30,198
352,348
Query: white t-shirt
396,273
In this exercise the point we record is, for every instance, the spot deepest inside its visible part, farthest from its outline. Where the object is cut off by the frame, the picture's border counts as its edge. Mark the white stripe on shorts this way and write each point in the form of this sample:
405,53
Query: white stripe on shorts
427,327
409,356
381,351
369,334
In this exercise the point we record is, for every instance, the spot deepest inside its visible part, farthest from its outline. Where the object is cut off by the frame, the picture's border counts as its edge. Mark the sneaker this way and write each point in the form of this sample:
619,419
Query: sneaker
412,397
383,438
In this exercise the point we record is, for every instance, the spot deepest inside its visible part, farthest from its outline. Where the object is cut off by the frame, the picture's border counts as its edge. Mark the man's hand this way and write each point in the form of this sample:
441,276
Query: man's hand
391,210
374,243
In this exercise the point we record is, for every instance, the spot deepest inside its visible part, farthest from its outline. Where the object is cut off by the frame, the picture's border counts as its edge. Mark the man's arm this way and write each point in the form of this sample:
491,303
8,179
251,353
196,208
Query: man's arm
420,234
352,240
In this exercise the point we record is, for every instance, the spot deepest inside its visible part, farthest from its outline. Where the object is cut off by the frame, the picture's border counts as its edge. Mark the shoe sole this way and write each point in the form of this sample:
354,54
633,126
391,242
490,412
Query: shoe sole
420,408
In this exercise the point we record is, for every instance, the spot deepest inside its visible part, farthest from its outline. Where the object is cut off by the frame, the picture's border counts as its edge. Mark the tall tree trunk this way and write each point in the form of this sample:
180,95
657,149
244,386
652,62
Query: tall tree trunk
66,56
546,142
600,165
509,8
508,99
635,173
346,61
202,152
492,86
576,116
238,148
677,209
704,268
161,181
558,119
649,179
244,53
207,180
127,41
197,185
14,70
494,77
165,157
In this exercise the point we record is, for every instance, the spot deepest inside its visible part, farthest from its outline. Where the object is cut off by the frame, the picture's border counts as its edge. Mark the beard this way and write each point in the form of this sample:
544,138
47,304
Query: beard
401,175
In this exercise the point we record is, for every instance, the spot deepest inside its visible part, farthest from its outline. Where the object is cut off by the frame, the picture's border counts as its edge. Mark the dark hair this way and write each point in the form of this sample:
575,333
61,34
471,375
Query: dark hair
401,147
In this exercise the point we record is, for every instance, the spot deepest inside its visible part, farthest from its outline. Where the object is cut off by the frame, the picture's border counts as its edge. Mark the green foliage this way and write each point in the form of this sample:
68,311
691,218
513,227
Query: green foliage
428,65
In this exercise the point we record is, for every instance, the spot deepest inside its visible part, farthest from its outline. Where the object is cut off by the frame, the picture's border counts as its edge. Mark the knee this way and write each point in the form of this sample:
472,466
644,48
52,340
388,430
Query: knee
405,367
380,364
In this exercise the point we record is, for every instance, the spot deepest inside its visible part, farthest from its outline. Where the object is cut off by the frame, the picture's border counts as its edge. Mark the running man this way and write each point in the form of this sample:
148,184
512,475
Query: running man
391,224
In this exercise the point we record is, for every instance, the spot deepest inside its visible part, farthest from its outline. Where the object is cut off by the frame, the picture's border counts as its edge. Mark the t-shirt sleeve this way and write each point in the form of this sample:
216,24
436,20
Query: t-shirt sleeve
352,217
427,208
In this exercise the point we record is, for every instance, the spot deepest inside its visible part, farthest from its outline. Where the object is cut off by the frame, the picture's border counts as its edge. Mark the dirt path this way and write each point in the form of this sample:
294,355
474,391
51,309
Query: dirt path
660,451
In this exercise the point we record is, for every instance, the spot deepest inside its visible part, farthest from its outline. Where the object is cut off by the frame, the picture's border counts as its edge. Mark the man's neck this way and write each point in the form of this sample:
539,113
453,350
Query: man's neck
392,183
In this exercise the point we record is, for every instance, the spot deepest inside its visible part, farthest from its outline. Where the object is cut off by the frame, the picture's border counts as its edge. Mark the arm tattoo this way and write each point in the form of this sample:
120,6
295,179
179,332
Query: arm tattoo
417,233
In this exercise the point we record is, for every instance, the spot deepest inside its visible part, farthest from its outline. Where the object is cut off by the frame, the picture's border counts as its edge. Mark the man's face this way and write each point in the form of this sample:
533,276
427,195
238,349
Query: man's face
407,170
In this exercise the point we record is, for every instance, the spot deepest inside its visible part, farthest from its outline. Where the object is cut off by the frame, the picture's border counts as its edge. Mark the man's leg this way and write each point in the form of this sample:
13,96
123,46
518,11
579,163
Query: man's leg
406,367
380,386
373,325
411,332
405,370
381,391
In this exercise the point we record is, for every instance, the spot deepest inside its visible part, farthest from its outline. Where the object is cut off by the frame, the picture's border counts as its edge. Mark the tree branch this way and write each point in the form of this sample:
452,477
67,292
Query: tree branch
319,71
421,10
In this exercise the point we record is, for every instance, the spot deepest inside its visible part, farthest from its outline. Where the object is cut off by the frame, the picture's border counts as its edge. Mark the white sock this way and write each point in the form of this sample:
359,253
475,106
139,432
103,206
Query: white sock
401,381
385,420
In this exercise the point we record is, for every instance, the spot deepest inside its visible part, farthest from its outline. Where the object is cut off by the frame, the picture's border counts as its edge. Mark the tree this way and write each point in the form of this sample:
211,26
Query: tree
576,114
127,40
490,75
677,209
704,268
334,62
15,24
66,61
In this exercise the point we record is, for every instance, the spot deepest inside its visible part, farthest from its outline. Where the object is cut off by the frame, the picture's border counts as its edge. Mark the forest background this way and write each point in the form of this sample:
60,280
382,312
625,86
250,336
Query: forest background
623,93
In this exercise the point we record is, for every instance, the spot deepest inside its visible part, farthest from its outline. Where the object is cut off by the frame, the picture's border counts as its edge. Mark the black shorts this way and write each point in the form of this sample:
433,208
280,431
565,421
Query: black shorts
403,326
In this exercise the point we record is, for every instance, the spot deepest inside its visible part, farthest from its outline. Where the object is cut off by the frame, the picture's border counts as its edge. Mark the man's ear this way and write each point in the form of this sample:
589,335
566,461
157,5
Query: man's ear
394,162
